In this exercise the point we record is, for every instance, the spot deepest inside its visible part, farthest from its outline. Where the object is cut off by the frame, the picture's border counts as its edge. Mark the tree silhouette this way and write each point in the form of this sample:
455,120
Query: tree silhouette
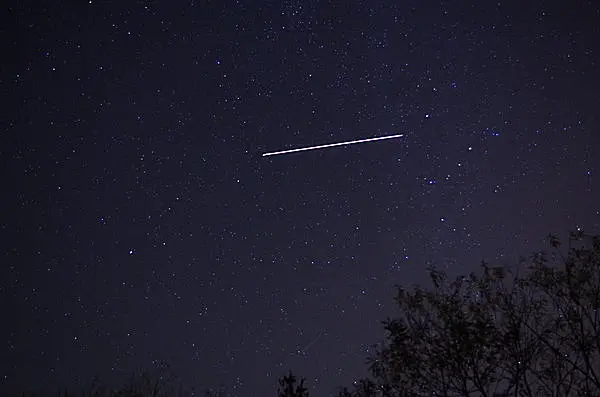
289,388
497,334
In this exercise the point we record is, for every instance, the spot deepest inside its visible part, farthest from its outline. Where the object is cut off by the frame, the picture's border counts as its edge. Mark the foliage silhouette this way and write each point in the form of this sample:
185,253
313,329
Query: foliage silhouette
500,333
497,334
289,388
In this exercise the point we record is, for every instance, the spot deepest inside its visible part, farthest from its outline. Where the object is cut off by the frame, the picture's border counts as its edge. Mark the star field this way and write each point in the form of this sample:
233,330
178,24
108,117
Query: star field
141,223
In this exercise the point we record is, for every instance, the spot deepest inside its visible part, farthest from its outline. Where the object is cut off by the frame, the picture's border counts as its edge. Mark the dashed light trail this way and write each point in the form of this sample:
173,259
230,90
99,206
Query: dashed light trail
333,144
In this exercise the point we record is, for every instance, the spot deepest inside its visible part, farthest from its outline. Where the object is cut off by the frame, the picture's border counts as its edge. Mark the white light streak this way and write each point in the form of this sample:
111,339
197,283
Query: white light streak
333,144
305,350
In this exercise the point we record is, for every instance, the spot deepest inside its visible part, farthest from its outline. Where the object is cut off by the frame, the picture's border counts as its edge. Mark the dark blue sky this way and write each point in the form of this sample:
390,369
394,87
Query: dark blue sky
141,224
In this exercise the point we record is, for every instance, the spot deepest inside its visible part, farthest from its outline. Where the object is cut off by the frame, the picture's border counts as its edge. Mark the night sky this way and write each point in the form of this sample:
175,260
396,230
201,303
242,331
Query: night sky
140,222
